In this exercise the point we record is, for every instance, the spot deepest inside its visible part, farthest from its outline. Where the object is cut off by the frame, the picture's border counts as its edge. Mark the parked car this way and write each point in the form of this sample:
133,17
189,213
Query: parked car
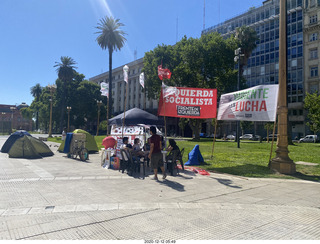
230,137
246,137
309,138
270,137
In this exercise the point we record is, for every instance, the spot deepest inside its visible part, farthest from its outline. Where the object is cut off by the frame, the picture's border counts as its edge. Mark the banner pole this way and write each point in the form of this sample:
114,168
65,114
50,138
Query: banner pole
214,137
274,129
165,122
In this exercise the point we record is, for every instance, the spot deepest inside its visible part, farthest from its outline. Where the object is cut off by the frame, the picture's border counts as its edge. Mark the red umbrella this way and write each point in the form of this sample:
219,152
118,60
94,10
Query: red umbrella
108,142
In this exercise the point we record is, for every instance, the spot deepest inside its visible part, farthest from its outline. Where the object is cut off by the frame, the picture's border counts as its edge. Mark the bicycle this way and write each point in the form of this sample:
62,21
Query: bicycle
79,150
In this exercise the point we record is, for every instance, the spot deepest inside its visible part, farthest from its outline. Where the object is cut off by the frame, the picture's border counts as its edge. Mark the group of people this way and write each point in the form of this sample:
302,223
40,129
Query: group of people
151,151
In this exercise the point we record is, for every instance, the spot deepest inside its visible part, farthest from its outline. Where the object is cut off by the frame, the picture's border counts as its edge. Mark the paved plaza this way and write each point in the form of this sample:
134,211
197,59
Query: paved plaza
58,198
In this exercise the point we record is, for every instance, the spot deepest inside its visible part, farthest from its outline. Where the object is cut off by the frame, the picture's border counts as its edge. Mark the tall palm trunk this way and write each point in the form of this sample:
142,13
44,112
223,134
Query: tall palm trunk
110,88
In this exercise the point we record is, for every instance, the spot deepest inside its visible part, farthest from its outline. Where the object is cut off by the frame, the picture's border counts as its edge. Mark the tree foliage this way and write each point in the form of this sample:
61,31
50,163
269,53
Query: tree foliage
206,62
312,105
82,98
110,37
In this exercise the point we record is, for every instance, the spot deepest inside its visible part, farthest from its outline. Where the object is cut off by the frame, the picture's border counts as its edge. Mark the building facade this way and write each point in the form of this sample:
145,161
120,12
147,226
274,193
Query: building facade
302,52
11,119
136,98
311,45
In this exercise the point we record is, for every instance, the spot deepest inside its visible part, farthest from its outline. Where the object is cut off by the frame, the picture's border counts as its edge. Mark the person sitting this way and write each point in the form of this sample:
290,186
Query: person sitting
137,150
126,144
171,158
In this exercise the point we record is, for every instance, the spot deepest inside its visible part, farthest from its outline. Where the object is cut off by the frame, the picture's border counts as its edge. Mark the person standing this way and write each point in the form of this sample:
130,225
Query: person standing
155,154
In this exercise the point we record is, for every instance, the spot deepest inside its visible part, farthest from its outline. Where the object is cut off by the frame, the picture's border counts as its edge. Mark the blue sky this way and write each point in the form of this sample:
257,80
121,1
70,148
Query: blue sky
36,33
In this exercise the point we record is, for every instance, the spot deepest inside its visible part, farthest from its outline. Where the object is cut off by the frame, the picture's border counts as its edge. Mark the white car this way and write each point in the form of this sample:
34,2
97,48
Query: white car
230,137
309,138
246,137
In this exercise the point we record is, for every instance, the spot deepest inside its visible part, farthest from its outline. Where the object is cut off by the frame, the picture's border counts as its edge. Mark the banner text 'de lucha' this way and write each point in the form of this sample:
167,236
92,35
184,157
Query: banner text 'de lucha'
257,103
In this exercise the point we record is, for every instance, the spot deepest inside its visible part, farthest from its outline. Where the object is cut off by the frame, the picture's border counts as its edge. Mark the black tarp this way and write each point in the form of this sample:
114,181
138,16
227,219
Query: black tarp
136,116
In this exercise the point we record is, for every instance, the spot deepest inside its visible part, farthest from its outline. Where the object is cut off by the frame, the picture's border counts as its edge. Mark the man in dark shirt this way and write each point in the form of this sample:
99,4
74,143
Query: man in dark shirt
125,141
155,153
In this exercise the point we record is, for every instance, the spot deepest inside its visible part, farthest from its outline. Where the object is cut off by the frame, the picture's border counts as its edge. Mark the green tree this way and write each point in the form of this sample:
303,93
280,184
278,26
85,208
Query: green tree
206,62
36,92
312,105
182,124
66,72
245,125
112,38
247,38
269,127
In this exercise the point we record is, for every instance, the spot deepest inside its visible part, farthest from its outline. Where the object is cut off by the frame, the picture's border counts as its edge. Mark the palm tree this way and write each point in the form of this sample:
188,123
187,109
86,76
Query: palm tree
36,92
247,38
66,72
112,38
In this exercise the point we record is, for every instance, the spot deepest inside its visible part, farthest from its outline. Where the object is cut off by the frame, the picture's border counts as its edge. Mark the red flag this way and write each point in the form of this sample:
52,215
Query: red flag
163,73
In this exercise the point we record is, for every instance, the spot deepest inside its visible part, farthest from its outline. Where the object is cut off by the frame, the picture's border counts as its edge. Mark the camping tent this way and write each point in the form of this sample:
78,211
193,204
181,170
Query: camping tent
12,138
91,144
136,116
29,147
195,157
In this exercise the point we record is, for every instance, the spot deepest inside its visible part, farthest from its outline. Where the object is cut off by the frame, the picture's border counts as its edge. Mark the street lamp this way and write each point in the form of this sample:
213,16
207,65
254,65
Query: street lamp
51,88
282,163
12,111
238,54
69,109
99,103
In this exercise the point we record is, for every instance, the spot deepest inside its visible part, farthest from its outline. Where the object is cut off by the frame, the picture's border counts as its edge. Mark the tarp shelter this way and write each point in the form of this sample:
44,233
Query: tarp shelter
29,147
91,144
136,116
195,157
12,138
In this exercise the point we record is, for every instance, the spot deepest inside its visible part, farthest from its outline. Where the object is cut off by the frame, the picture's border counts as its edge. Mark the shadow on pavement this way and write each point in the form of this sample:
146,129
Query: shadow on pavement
227,182
172,184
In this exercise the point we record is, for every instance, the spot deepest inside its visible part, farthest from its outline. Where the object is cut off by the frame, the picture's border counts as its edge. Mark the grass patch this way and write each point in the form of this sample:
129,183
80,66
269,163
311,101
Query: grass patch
250,160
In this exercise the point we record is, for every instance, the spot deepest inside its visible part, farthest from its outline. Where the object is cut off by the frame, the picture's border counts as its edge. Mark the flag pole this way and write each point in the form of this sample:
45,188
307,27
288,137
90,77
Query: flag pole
125,78
124,112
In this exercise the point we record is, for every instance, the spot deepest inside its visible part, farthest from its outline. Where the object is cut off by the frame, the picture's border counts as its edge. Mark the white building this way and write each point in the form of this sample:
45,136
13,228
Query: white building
136,97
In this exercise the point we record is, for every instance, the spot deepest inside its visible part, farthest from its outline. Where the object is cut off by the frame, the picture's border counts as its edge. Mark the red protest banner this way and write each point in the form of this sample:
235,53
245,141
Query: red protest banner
194,103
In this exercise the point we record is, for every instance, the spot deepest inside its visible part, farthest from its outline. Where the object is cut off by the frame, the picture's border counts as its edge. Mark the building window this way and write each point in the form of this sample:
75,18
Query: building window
313,88
314,71
313,37
313,53
313,19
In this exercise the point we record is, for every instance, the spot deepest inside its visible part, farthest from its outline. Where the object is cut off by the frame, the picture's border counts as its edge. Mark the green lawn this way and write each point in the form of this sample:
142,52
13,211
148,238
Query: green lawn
250,160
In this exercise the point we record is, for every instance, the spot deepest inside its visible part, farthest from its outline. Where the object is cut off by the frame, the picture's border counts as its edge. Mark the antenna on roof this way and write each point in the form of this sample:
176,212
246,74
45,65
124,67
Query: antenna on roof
177,31
204,14
135,54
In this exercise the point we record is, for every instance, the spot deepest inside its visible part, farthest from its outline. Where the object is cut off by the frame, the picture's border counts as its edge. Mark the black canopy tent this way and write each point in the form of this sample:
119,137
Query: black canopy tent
136,116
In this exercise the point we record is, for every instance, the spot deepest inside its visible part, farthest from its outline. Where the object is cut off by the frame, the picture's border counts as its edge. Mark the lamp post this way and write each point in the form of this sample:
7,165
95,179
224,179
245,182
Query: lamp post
3,113
282,163
51,88
238,54
12,111
99,103
68,109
